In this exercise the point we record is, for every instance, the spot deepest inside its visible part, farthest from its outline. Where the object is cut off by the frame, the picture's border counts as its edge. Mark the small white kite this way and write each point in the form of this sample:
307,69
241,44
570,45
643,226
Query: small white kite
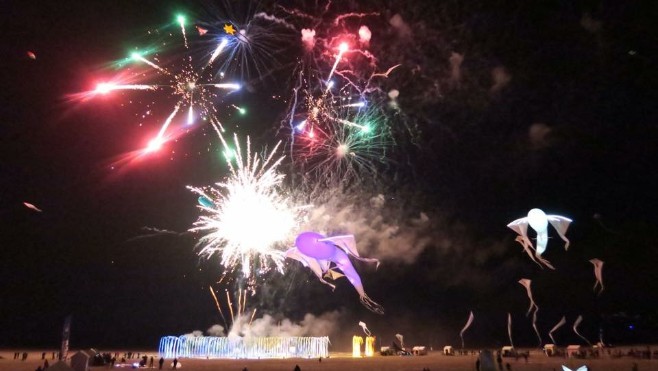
509,328
365,328
526,283
598,274
559,324
538,221
400,339
575,329
30,206
468,324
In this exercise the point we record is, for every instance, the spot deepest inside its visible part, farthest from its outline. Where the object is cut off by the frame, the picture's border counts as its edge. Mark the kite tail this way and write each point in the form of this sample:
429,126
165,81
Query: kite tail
468,324
509,328
367,260
333,287
527,247
575,329
559,324
599,285
545,262
534,326
371,305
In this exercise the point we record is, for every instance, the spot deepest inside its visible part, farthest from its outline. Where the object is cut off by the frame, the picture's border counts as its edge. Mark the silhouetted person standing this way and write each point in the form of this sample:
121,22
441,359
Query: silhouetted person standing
175,362
297,368
161,362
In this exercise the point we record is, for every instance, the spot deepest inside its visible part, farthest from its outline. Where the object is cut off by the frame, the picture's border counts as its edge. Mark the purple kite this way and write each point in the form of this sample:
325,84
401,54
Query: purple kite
318,252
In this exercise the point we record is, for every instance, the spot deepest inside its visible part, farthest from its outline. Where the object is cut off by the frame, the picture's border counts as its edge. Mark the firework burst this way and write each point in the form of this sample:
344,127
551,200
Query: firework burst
337,120
339,139
192,84
259,41
248,219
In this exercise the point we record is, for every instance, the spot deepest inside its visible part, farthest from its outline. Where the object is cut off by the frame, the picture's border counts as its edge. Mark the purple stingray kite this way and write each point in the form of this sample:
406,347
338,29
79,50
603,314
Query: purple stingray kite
318,252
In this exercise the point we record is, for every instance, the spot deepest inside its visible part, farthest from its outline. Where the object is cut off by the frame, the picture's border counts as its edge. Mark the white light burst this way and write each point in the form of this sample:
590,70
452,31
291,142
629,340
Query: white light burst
248,218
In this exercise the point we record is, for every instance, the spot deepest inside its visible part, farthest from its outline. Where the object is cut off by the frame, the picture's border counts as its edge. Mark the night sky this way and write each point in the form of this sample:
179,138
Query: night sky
571,128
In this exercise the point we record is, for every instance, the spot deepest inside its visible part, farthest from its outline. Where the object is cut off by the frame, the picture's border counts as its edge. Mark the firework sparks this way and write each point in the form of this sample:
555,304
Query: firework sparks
342,48
257,43
249,219
337,118
339,138
192,86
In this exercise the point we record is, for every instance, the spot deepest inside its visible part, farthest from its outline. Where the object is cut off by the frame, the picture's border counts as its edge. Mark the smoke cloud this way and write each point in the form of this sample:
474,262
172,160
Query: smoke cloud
500,77
308,38
215,330
268,326
539,134
403,29
364,35
380,231
311,325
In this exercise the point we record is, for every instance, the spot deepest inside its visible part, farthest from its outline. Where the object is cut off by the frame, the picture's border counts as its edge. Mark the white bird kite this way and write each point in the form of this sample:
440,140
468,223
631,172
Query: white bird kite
538,221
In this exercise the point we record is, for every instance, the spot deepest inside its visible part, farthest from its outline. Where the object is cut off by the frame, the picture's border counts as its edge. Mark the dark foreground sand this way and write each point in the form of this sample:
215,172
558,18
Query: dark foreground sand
435,361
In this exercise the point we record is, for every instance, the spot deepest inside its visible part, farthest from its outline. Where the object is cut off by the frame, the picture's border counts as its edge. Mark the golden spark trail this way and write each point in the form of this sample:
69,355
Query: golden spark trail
217,304
230,306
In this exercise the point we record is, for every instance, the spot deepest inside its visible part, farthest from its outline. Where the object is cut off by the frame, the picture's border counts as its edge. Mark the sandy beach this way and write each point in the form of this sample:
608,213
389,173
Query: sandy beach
344,362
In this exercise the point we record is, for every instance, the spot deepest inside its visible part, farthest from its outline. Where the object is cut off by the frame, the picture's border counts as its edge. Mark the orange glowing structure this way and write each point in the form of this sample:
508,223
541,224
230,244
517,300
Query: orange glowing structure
356,346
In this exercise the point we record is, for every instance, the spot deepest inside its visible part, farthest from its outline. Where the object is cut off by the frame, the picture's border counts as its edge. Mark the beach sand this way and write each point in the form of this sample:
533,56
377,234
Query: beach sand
434,361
